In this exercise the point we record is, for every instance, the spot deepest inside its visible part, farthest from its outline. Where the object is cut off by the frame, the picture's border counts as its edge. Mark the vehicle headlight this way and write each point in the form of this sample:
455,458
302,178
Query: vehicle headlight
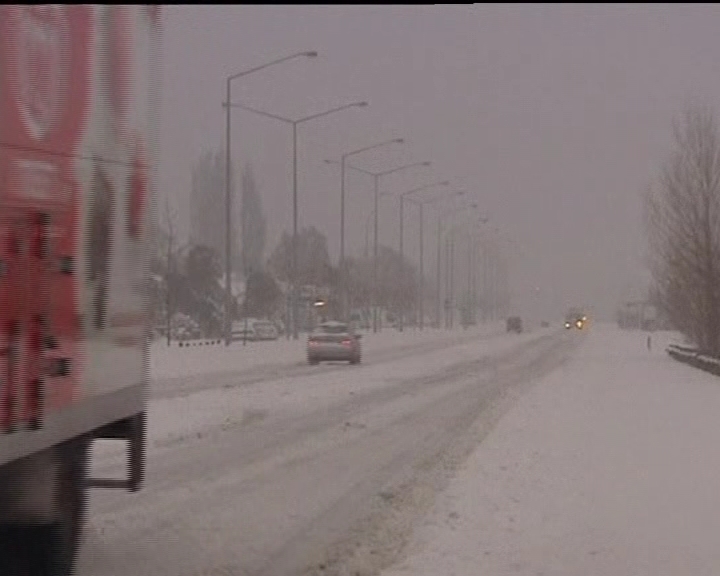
579,323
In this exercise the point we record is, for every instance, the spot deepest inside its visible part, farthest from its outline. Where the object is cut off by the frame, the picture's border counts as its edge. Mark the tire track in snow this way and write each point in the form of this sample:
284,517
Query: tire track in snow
286,490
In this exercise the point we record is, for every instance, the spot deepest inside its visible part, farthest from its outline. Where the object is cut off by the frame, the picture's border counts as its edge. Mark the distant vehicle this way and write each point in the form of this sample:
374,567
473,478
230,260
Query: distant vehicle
514,324
244,330
333,341
265,330
575,318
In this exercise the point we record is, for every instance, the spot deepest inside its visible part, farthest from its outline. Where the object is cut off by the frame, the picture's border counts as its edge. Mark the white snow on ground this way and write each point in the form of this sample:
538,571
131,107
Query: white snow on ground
175,361
180,416
175,419
609,466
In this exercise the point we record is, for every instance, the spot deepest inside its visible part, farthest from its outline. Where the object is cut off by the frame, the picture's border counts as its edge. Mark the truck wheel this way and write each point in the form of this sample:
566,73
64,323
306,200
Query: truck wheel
50,549
72,504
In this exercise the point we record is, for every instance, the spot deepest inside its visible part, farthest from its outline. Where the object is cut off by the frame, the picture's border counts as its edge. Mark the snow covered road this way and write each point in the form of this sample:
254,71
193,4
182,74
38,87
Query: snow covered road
175,370
607,467
322,469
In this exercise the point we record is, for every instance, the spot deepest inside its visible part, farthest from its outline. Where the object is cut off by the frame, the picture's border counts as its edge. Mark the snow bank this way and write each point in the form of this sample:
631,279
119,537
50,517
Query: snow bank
608,466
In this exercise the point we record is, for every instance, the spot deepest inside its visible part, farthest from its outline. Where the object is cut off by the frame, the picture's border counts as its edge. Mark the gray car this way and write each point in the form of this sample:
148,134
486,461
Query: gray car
333,341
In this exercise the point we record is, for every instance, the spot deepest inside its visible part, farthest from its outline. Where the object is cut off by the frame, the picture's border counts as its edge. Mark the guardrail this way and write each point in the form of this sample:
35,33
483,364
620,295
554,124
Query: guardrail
694,358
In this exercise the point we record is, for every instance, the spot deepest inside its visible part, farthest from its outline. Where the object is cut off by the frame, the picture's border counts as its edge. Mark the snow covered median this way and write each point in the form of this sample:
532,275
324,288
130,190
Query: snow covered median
608,466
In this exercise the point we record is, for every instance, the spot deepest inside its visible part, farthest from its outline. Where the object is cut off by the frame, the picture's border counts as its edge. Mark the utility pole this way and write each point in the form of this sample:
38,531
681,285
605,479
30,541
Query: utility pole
438,271
294,289
228,197
422,272
376,176
402,262
468,304
169,269
228,221
447,282
375,304
452,279
295,123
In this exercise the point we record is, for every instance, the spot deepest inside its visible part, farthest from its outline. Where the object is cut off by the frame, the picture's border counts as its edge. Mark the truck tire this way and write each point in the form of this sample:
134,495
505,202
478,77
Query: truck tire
51,549
72,502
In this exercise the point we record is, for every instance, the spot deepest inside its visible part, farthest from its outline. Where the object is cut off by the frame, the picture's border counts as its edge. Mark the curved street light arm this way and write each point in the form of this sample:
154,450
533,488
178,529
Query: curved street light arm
301,120
307,54
421,188
319,114
385,143
379,174
386,172
351,167
262,113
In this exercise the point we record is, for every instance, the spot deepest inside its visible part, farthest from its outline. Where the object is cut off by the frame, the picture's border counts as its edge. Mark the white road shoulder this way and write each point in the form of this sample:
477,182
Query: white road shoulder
608,466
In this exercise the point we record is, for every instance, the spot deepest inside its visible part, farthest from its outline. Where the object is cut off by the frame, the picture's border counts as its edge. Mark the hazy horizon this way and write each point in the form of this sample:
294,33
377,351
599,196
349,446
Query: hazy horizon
555,118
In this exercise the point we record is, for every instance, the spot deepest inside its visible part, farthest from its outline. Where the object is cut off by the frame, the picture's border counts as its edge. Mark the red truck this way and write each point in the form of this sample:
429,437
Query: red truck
78,111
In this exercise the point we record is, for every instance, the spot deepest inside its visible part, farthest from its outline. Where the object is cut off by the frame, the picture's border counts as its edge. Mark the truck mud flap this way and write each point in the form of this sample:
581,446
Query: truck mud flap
132,430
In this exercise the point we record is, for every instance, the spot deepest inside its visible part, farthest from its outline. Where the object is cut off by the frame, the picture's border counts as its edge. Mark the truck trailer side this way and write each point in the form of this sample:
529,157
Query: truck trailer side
78,112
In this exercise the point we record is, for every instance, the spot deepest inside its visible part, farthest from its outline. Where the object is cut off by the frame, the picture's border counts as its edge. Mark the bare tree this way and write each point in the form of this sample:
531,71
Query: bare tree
683,218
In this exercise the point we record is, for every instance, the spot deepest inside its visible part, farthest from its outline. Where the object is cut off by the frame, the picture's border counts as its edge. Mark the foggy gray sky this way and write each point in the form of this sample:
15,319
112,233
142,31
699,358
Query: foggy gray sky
555,118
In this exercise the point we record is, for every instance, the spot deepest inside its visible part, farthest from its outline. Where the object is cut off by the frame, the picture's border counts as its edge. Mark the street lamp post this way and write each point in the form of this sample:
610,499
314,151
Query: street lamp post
402,219
420,204
475,247
343,158
469,300
452,279
367,233
295,124
376,176
228,196
370,215
421,290
440,232
452,266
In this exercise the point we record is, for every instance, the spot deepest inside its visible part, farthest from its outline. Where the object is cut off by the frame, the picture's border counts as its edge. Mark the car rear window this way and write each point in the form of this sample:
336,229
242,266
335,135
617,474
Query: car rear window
334,329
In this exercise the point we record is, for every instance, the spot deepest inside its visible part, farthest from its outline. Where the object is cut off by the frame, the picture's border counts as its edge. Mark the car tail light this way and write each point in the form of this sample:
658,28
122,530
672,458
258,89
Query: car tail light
347,342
